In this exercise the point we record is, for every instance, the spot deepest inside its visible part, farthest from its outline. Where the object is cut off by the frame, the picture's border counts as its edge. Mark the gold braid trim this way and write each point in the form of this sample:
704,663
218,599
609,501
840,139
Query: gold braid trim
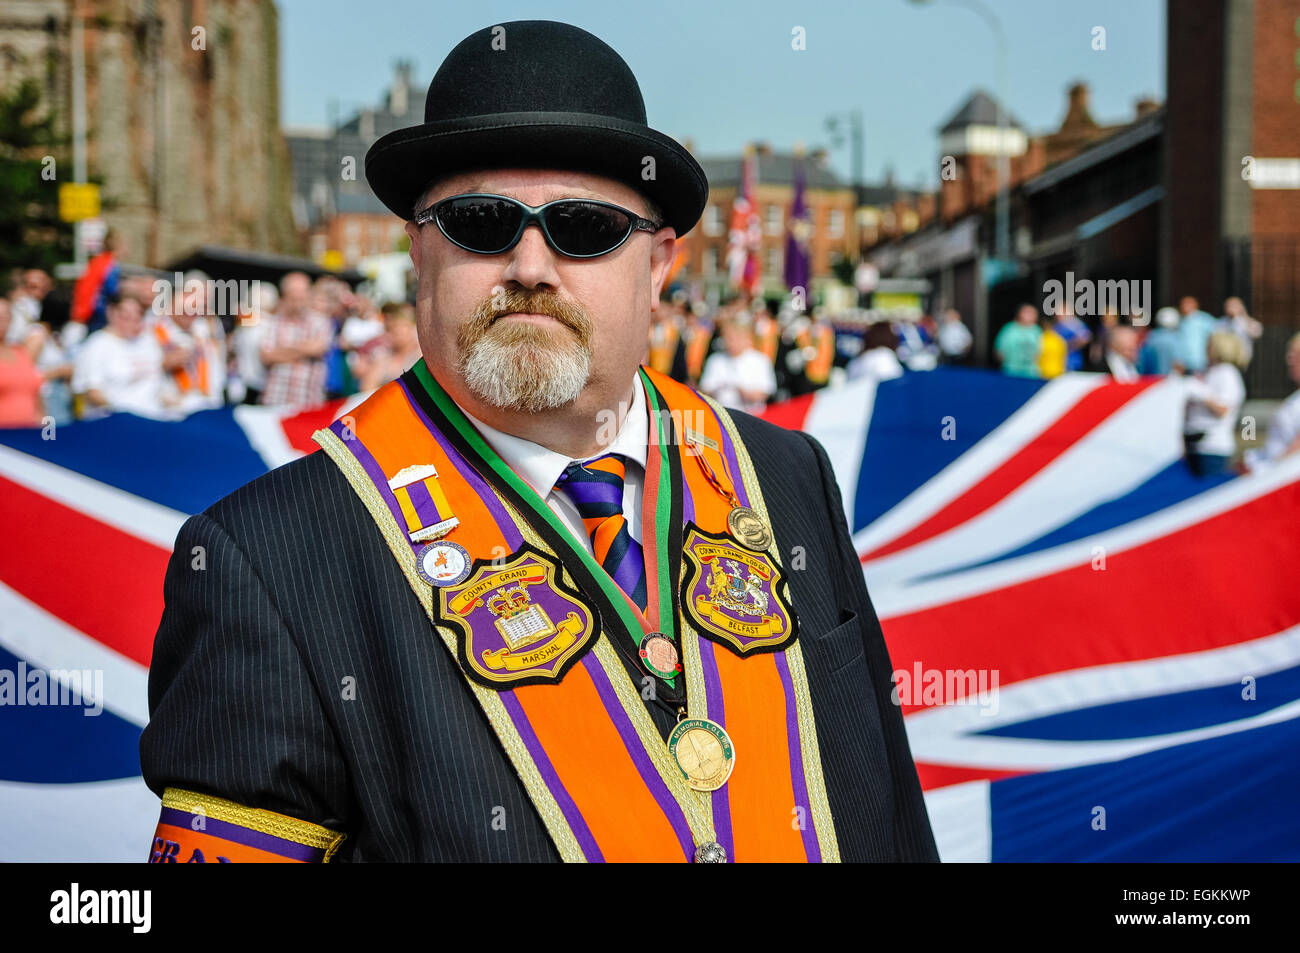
254,819
552,817
812,762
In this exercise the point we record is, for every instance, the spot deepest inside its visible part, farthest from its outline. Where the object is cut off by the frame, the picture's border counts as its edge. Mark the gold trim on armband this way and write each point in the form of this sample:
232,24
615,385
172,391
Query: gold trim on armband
254,819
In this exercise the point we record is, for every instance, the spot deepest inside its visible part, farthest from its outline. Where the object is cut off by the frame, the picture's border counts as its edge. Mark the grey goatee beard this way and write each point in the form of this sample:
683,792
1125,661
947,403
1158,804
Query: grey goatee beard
523,367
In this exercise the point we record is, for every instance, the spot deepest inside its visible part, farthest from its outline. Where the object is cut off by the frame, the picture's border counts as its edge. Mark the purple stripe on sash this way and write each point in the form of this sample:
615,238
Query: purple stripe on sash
242,835
717,713
480,486
632,741
423,503
577,823
373,470
810,844
733,463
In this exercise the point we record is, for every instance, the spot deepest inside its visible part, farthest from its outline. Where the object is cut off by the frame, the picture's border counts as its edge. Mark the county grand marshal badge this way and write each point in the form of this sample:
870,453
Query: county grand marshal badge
519,623
733,595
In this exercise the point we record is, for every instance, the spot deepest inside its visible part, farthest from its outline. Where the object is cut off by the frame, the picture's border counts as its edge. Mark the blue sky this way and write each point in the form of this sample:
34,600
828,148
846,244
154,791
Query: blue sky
722,72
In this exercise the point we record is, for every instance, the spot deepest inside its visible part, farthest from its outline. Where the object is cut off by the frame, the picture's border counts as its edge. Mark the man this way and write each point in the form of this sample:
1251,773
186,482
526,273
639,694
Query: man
1282,438
120,367
96,285
740,375
1194,330
194,348
1122,354
36,284
1238,320
1075,334
1162,351
954,337
293,348
458,632
1018,343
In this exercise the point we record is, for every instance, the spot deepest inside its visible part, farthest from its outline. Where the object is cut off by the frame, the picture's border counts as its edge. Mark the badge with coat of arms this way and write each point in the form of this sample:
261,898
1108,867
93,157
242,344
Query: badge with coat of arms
519,623
733,594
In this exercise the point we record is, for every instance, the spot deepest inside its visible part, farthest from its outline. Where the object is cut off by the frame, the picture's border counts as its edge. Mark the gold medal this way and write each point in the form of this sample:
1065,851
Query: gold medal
749,529
703,752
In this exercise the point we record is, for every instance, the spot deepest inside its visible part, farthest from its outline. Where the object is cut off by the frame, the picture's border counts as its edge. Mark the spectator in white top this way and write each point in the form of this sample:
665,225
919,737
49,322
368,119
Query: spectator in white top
954,337
879,359
27,304
194,351
246,343
1214,399
1283,437
120,367
1247,329
1122,354
739,376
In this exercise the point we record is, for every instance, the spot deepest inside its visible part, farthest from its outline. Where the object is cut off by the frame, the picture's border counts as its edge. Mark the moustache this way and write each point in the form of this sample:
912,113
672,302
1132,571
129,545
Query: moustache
503,303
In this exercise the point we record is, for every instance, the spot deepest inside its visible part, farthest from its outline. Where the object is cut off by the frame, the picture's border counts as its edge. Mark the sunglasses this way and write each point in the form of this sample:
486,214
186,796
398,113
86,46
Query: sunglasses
492,224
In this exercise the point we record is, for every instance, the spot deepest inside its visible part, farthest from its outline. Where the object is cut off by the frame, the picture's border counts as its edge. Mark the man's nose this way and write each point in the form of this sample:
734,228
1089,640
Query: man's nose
532,261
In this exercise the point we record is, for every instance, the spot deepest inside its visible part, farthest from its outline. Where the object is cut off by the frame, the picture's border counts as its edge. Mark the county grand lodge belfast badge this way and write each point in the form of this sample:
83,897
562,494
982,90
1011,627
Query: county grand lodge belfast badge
519,624
734,594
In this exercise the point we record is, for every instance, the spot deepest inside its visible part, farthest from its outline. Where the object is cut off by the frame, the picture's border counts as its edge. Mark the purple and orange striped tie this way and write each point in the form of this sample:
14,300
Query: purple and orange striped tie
596,488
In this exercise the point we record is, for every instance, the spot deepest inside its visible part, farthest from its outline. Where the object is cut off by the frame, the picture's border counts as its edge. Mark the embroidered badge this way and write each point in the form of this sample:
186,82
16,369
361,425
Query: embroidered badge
519,624
733,595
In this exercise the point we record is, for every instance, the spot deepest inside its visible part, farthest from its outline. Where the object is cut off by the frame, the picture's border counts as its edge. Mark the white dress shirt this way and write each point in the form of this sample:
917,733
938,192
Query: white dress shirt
540,467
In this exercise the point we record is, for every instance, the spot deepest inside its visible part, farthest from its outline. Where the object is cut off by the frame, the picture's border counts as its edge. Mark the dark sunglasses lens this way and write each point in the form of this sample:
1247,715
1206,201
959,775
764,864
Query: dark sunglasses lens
485,225
584,228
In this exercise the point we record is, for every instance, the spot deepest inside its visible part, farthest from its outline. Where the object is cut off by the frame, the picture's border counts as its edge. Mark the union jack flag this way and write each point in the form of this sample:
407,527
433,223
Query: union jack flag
1097,655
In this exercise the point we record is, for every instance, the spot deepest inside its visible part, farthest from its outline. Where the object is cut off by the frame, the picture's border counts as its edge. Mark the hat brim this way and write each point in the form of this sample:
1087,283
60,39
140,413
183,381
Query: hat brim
400,165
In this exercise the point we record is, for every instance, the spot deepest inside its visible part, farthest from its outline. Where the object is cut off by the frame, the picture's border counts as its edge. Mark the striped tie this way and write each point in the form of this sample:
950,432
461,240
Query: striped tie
596,488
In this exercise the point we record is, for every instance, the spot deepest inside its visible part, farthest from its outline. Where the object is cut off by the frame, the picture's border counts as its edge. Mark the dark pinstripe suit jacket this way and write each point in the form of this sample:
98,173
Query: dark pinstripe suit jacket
299,593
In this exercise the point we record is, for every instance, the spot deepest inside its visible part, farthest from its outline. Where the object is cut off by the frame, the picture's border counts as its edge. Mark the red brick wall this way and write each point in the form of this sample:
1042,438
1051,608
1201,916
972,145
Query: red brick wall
1275,110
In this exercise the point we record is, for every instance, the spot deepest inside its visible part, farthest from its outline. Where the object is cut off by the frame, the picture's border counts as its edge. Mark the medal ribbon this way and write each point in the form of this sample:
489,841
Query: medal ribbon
656,516
425,508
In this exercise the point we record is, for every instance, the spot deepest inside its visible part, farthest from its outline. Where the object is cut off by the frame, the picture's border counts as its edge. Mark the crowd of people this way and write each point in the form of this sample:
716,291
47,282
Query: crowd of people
124,349
1207,354
106,345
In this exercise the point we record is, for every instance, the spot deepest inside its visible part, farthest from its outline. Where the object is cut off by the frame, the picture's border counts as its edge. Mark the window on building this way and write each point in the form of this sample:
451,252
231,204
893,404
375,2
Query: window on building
774,213
710,262
712,220
835,223
774,262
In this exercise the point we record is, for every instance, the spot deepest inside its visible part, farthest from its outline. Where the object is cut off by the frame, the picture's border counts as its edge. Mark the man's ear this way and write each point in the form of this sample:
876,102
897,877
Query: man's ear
413,232
663,252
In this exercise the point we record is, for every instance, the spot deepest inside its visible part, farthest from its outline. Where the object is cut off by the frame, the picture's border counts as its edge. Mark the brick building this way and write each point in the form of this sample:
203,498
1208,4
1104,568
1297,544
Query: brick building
1231,222
333,208
831,203
182,107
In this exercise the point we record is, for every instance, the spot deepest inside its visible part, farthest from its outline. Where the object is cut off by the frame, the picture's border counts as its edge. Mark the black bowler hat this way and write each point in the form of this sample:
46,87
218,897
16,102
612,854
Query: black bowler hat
537,94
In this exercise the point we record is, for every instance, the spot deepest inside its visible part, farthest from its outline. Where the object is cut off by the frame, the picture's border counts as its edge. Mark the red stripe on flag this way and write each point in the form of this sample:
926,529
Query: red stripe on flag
942,775
791,413
1228,579
299,427
1076,423
96,578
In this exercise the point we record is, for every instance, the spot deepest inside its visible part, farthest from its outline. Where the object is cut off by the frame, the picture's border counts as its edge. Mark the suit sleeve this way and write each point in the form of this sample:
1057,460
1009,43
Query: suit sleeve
234,716
913,838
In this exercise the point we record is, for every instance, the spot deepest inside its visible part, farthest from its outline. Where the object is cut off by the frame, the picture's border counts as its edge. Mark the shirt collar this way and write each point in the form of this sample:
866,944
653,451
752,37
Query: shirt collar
541,467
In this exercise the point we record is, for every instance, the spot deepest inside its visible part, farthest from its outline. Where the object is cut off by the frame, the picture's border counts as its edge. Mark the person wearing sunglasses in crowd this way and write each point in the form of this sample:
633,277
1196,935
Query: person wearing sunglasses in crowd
533,600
